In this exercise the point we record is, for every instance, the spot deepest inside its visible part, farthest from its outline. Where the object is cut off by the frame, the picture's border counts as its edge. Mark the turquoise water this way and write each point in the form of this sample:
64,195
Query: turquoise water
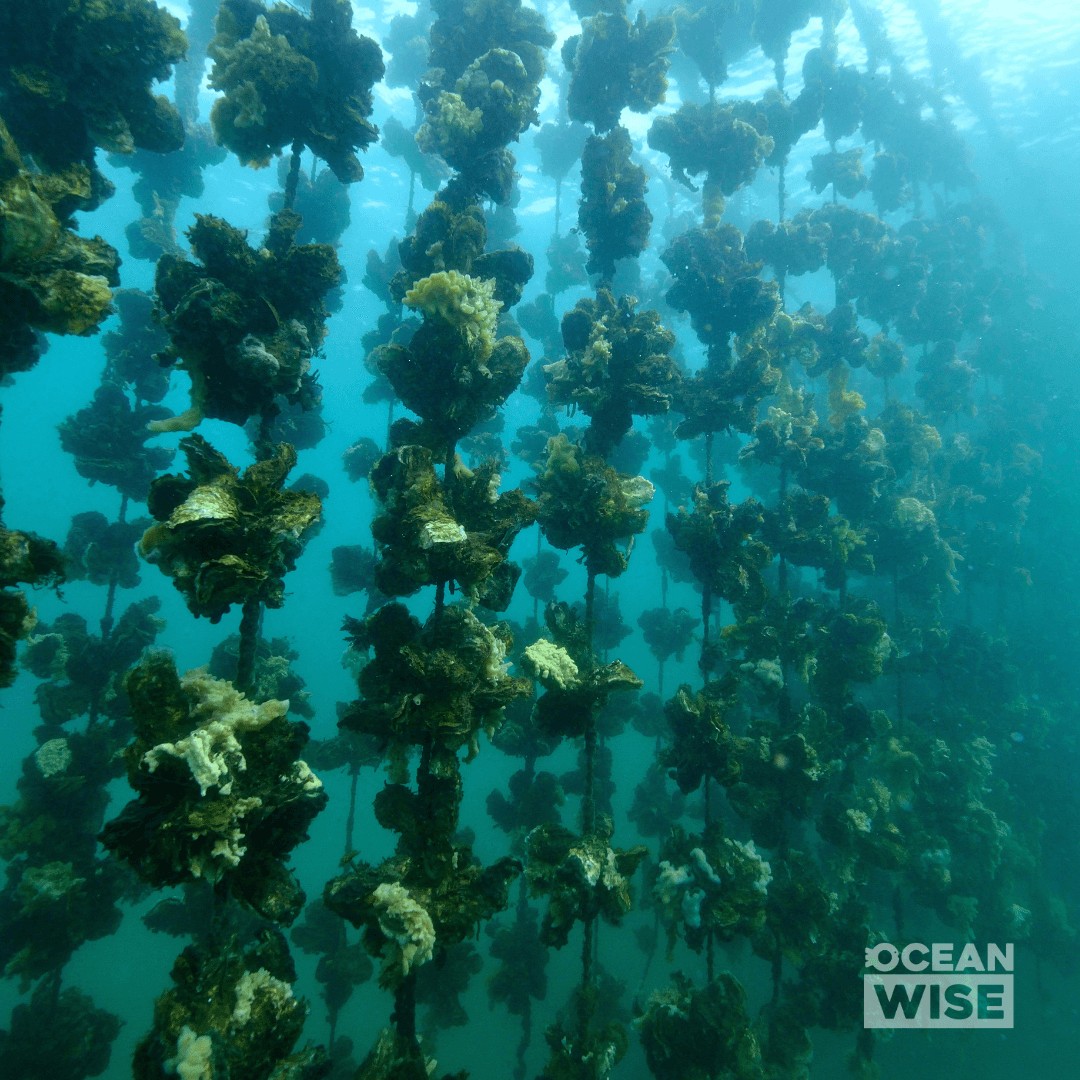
991,657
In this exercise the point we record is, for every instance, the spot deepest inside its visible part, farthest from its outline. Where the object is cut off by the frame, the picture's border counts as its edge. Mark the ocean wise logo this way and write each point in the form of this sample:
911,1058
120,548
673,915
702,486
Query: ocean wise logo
936,986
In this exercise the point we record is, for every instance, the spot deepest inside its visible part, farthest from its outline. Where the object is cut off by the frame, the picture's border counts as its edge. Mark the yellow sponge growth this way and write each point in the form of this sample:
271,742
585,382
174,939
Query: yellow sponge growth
464,302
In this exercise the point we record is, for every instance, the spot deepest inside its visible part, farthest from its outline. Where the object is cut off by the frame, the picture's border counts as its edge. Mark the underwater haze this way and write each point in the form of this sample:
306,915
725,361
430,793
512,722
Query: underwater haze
539,541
